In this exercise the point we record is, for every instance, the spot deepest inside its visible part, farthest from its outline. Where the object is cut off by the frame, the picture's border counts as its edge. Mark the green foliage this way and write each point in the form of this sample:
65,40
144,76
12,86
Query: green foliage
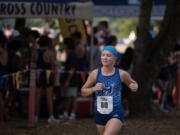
56,23
38,22
34,22
7,22
121,27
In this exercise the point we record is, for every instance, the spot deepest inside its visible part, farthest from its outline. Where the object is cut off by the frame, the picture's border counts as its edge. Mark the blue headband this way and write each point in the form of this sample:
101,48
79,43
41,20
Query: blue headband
110,49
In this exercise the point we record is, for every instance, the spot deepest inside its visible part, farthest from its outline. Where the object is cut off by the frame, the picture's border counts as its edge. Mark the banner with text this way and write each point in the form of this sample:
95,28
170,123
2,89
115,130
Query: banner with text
46,10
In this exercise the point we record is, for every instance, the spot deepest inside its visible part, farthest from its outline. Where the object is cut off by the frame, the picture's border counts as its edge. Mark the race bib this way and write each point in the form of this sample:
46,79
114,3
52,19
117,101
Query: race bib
105,104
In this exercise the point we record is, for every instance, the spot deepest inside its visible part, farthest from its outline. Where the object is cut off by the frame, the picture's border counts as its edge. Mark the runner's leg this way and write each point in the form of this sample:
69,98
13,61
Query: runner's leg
100,129
113,127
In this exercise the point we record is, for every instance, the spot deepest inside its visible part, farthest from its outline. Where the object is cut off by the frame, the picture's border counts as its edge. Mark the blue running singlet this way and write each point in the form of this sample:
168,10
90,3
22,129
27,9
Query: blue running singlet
41,64
108,101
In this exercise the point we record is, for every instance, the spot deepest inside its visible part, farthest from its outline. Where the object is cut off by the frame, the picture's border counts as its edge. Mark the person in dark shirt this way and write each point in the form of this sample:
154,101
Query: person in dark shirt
3,71
126,64
69,81
44,61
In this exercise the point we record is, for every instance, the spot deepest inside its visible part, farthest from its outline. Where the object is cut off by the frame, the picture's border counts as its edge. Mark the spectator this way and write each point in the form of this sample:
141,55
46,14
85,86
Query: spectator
81,53
162,82
126,64
44,59
32,37
103,32
3,71
96,55
15,53
112,40
69,81
33,45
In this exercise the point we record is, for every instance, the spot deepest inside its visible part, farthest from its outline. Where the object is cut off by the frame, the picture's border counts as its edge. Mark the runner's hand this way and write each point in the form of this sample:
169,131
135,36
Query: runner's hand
98,86
133,86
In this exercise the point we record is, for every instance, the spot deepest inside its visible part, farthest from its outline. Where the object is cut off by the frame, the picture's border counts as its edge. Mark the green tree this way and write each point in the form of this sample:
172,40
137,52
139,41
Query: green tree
121,27
151,53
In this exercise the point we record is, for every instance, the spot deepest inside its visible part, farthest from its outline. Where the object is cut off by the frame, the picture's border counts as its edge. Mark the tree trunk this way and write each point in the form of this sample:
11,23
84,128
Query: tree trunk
151,53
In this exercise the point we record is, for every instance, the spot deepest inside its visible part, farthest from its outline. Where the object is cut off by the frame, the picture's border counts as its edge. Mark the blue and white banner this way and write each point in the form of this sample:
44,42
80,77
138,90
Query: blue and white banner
72,10
126,11
126,8
125,2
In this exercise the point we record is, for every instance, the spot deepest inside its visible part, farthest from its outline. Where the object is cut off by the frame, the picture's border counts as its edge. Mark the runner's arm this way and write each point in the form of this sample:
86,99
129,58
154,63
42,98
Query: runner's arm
126,78
87,88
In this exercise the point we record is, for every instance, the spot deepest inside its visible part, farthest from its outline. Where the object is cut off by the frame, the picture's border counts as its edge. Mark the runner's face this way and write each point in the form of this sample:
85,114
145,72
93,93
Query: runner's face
107,58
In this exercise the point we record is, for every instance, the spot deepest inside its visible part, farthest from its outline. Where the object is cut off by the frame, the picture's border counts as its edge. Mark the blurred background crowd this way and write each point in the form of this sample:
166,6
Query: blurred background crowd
62,65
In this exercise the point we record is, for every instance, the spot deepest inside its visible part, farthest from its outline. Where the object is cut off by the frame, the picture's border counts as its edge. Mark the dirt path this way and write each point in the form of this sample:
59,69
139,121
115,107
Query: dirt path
156,124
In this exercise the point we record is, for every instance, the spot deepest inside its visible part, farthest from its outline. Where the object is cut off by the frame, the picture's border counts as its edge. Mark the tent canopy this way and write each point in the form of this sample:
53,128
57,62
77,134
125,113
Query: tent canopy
126,8
79,9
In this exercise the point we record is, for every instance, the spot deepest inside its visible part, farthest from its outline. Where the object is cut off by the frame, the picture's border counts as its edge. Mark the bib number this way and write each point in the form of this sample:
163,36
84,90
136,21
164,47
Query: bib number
105,104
